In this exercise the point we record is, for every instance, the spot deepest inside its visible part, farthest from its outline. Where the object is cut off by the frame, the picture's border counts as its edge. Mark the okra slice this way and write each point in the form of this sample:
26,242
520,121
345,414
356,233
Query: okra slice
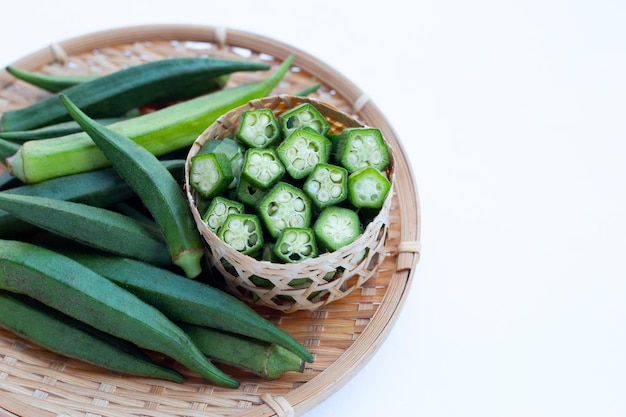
248,193
302,150
304,115
367,188
234,151
210,173
359,147
262,167
327,185
336,227
285,206
296,244
218,210
243,232
258,128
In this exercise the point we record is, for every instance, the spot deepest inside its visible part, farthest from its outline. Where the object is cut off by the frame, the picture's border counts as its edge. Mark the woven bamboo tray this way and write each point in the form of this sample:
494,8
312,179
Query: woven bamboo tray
342,335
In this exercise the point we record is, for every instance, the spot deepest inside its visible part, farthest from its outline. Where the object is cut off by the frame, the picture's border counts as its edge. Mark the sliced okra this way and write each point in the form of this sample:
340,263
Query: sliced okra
336,227
210,173
249,193
360,147
302,150
296,244
258,128
242,232
285,206
367,188
262,167
327,185
218,210
304,115
234,151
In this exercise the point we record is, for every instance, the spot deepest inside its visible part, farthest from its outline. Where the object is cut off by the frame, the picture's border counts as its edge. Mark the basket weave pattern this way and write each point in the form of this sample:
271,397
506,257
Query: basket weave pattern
342,336
350,266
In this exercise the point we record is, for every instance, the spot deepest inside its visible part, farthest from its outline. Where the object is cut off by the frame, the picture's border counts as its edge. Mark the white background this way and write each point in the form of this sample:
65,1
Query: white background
513,115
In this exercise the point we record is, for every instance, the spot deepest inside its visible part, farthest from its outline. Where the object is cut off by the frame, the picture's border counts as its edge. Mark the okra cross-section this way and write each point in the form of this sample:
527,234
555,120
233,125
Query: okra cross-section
258,128
327,185
296,244
367,188
210,173
218,210
361,147
302,150
242,232
262,167
336,227
304,115
285,206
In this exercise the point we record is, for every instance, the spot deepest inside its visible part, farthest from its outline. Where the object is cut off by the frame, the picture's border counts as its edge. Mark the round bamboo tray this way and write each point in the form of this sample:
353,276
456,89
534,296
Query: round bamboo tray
342,335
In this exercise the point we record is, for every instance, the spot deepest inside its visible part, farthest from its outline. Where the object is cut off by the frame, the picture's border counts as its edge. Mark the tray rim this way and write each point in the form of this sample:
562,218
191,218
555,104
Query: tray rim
336,375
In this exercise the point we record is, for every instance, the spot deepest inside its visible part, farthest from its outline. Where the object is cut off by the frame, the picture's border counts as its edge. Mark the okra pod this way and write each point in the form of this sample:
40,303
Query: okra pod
156,187
94,226
115,93
53,131
186,300
266,360
161,132
72,338
50,82
7,148
100,188
65,285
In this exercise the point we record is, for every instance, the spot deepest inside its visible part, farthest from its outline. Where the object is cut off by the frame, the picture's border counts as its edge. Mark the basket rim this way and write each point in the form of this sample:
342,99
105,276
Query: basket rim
330,380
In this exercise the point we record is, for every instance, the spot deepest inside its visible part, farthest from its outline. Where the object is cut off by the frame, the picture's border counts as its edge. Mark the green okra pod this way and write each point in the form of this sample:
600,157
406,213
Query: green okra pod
72,338
266,360
186,300
54,279
120,91
155,186
94,226
99,188
161,132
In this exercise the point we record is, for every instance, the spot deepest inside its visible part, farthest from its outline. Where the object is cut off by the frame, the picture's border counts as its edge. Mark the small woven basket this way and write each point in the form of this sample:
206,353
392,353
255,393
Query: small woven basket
350,266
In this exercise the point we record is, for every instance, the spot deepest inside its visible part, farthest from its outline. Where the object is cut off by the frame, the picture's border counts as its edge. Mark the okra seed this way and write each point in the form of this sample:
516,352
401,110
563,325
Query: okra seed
298,204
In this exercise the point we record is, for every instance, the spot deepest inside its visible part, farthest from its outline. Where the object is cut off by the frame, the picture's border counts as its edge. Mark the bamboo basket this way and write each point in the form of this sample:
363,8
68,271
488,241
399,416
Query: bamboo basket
350,266
342,335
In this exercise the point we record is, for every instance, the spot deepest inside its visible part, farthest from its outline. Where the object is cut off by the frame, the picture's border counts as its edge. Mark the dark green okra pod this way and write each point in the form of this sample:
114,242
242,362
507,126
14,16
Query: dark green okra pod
155,186
94,226
70,287
266,360
64,335
187,300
